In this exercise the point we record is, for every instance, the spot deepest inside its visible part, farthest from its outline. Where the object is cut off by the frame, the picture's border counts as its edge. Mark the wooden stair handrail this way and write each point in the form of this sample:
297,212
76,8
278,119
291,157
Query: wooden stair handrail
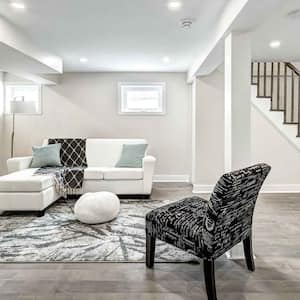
286,100
291,66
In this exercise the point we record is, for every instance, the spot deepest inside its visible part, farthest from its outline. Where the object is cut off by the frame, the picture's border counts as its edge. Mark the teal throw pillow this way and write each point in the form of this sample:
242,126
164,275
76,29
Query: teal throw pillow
132,156
46,156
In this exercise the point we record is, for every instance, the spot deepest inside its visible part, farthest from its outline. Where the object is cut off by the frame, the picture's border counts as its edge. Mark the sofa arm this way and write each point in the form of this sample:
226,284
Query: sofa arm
18,163
148,166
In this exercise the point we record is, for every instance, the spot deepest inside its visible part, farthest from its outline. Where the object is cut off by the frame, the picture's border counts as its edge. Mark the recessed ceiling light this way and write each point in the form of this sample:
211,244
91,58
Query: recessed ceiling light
166,59
83,59
275,44
174,5
18,5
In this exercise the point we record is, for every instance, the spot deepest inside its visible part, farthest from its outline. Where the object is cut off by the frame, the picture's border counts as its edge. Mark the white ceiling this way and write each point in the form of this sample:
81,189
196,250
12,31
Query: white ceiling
117,35
279,26
265,20
135,35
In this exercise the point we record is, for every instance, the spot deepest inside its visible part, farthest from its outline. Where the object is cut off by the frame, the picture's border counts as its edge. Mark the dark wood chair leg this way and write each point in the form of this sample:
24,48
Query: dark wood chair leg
249,253
209,275
150,250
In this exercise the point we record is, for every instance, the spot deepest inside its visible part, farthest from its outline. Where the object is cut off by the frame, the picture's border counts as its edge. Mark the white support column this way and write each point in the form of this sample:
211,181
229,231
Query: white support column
194,129
237,106
237,101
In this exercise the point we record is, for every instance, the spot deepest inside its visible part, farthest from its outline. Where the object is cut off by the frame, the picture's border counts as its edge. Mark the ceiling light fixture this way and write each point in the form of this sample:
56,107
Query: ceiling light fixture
17,5
186,23
275,44
174,5
166,59
83,59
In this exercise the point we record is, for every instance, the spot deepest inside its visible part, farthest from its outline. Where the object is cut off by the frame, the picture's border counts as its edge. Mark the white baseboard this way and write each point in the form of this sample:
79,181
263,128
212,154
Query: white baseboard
280,188
266,189
171,178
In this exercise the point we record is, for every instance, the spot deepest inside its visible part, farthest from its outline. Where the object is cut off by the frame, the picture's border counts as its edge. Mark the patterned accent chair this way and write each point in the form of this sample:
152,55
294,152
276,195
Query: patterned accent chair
208,229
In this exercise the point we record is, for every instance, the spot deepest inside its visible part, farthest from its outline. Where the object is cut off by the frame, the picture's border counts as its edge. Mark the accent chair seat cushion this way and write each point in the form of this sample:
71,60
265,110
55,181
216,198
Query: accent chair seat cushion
25,181
94,208
180,224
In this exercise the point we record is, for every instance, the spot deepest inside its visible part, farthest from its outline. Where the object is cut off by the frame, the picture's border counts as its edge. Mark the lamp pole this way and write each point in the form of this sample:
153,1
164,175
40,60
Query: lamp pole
13,110
19,106
12,137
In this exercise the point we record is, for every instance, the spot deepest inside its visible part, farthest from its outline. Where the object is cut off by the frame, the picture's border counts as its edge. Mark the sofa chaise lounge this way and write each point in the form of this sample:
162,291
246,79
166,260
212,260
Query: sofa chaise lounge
21,190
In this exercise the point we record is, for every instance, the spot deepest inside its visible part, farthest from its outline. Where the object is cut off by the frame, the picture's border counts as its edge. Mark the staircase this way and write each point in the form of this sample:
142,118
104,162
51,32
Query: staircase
276,94
279,82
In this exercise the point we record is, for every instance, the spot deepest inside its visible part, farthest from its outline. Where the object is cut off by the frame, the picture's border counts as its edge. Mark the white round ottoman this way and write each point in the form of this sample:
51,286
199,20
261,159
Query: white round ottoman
94,208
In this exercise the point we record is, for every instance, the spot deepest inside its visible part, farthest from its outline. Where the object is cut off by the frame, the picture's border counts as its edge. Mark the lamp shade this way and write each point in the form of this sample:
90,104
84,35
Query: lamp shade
23,107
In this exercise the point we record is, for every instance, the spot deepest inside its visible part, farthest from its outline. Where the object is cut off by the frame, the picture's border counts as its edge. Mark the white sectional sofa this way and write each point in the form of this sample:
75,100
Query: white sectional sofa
21,191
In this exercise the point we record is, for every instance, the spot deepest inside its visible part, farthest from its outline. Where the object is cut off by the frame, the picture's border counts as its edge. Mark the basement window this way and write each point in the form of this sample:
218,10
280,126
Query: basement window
142,98
29,93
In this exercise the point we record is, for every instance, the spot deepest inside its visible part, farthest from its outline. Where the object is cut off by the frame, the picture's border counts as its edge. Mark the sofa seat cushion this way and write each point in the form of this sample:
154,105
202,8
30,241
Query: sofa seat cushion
123,173
25,181
93,173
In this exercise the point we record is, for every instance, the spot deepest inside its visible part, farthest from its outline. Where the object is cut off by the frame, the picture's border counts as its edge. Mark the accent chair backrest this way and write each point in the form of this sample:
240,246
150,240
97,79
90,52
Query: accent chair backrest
231,207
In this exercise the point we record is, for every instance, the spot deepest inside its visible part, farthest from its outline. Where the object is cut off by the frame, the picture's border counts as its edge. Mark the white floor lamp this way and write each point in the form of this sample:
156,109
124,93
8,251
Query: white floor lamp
19,106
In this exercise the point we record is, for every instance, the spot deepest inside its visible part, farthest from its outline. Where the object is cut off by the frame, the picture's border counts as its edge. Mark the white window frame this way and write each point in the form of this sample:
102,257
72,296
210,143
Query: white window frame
145,112
15,83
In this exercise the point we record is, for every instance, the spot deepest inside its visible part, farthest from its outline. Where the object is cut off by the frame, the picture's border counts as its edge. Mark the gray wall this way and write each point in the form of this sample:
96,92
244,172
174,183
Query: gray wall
267,144
2,126
85,105
210,128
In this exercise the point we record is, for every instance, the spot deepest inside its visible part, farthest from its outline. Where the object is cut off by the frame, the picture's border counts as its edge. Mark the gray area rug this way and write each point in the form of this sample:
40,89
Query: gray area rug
59,237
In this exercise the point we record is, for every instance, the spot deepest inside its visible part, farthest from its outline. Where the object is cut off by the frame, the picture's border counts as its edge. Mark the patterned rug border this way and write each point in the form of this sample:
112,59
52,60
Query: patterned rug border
97,262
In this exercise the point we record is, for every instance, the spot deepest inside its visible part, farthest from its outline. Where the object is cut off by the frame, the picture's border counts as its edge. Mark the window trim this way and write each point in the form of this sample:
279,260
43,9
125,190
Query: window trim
142,83
40,87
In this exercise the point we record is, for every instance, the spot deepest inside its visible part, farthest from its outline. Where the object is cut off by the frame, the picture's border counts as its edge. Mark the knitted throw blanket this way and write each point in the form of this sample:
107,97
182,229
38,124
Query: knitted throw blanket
69,177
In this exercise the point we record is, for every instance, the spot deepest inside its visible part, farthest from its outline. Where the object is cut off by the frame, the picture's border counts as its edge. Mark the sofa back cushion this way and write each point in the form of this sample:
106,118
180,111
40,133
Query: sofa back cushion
107,152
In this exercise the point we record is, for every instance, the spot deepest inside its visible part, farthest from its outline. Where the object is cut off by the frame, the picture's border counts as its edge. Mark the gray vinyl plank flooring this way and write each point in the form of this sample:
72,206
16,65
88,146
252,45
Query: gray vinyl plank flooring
277,275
